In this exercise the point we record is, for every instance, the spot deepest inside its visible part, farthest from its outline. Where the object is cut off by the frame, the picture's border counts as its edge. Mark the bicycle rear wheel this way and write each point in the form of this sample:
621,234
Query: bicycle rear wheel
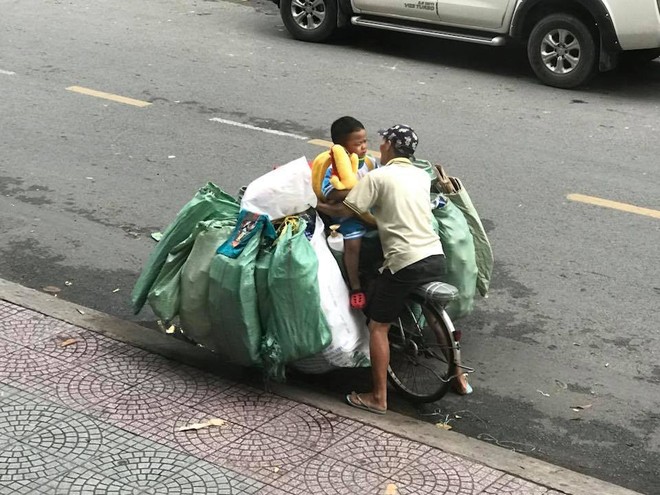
421,354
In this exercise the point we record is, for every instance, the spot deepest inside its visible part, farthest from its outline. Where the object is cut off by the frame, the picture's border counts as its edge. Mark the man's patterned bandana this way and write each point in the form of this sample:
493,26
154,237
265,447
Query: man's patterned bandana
402,137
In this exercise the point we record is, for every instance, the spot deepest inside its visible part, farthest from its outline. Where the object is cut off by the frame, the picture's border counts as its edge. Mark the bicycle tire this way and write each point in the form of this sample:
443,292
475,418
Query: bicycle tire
402,372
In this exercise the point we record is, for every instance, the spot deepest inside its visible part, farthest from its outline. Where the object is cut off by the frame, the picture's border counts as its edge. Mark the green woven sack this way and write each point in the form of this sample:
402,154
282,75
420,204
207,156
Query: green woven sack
295,327
233,301
210,202
194,314
165,295
458,246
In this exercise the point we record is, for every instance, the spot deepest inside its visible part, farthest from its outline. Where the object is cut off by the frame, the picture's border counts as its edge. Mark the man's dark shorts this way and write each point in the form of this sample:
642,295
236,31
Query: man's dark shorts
387,296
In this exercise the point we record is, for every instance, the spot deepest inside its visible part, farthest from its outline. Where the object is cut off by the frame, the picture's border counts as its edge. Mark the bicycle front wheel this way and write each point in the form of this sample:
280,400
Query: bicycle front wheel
421,354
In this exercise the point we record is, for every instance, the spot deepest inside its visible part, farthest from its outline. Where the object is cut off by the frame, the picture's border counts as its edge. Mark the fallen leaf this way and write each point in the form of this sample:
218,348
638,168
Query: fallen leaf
67,342
391,489
116,290
443,426
206,424
68,283
607,365
543,393
156,236
171,329
580,408
80,311
51,289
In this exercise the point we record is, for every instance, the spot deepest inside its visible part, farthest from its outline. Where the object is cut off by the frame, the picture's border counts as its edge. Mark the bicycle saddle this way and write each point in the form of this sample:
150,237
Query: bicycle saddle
437,292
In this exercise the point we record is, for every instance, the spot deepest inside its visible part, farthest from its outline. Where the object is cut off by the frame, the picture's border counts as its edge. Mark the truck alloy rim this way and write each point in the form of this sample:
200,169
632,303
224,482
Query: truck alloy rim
560,51
308,14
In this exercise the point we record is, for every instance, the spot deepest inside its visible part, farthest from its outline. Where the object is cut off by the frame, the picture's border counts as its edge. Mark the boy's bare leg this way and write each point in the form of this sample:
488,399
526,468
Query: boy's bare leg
352,261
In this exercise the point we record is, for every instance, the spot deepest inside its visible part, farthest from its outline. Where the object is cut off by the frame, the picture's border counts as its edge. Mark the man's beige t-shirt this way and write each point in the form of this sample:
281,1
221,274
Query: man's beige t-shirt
397,195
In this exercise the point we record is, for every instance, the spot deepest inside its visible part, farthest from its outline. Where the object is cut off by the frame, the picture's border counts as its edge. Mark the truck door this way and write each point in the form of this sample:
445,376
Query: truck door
412,9
481,14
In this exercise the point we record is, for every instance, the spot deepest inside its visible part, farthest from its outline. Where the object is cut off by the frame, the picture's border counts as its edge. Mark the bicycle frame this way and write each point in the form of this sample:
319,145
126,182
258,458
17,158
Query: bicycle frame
453,334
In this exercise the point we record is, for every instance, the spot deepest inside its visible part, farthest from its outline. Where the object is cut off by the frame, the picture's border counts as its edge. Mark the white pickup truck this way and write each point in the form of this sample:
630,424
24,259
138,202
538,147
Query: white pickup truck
568,41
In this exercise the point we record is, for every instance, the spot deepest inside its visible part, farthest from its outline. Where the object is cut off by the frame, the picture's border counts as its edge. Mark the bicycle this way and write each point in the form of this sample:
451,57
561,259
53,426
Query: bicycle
425,346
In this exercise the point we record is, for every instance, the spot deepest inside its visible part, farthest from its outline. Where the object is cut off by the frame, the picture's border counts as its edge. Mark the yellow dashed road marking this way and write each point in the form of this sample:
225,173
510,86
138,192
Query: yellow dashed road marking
108,96
606,203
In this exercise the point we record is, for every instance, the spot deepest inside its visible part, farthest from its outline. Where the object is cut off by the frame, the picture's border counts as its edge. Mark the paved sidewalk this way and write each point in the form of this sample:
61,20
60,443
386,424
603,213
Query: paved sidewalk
81,413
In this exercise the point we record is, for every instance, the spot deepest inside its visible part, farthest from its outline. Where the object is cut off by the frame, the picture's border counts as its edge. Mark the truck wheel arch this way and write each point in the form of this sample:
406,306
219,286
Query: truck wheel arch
528,12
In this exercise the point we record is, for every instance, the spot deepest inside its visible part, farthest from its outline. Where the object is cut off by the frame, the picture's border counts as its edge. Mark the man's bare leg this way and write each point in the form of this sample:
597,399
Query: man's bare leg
379,348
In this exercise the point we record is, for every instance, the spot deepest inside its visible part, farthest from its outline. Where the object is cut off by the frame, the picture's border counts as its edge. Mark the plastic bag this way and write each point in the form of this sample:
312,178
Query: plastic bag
210,202
233,300
194,312
287,190
165,295
458,246
483,250
295,327
350,337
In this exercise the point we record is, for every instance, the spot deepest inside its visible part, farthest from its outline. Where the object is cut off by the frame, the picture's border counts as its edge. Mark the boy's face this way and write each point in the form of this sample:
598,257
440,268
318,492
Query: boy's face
356,142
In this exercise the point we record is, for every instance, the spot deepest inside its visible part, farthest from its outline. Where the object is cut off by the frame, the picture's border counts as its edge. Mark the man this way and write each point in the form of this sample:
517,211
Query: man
397,195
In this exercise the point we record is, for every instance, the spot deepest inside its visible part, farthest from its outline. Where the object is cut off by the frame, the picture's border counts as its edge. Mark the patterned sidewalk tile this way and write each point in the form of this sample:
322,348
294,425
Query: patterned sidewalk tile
308,427
377,451
260,456
327,476
246,406
23,366
82,481
75,345
508,484
6,348
440,473
40,374
202,443
60,432
6,391
29,328
130,365
134,406
185,385
142,466
8,310
205,478
23,465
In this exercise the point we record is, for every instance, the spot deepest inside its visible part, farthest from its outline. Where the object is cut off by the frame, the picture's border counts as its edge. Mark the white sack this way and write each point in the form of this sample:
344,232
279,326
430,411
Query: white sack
350,336
287,190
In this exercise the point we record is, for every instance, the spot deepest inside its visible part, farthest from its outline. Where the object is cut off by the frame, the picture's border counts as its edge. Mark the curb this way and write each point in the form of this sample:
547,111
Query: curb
519,465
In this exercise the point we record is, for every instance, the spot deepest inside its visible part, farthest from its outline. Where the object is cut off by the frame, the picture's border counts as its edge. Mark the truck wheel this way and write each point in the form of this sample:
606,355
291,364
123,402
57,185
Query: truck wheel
562,51
309,20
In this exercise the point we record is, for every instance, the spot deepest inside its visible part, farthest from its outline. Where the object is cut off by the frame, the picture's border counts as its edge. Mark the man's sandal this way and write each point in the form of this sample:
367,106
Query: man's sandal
356,401
358,299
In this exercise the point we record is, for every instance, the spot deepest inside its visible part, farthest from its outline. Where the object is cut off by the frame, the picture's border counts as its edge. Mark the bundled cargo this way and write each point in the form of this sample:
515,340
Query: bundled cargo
210,203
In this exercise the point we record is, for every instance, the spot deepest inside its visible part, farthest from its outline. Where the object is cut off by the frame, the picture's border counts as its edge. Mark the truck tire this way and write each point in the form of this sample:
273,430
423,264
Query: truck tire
562,51
309,20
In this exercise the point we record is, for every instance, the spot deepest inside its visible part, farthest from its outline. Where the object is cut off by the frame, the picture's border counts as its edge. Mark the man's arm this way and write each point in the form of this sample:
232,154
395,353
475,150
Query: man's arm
335,209
337,196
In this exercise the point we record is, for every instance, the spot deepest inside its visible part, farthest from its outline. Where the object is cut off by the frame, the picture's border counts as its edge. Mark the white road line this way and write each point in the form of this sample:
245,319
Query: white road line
260,129
7,72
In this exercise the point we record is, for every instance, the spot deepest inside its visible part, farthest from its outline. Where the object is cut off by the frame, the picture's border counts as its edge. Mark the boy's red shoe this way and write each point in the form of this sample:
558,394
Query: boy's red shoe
358,299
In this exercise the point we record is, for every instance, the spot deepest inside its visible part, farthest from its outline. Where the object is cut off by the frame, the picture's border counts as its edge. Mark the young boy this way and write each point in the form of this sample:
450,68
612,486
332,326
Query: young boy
351,134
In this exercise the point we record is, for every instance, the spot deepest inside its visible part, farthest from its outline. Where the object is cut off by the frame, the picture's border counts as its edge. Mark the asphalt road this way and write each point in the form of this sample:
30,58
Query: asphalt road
573,316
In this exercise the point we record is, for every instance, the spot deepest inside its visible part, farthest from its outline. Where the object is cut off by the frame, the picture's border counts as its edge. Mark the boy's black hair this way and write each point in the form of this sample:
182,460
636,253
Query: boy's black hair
342,127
